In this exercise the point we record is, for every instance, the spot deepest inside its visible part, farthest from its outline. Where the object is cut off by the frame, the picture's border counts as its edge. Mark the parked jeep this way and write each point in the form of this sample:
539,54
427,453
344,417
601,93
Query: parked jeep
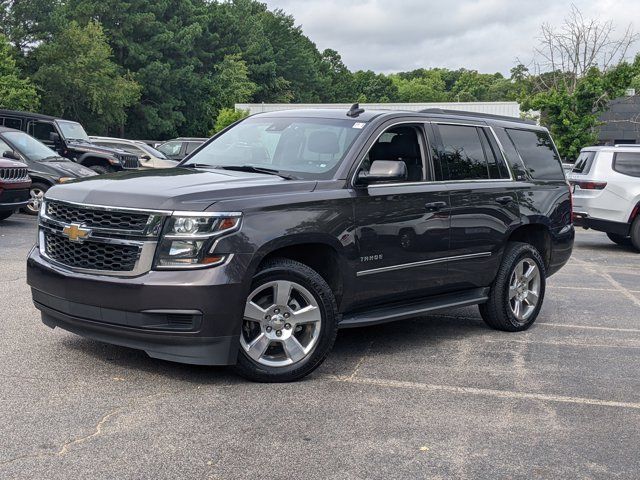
46,167
70,140
290,225
14,187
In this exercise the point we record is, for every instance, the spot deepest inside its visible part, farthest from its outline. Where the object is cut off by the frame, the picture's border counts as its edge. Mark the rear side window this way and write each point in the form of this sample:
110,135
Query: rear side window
538,154
627,163
191,146
467,153
584,162
10,122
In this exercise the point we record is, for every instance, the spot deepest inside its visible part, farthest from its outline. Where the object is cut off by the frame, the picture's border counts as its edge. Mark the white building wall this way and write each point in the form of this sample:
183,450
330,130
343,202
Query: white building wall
509,109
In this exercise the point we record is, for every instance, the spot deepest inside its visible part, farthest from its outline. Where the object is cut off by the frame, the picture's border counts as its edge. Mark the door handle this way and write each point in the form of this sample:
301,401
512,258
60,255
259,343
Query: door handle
434,206
505,200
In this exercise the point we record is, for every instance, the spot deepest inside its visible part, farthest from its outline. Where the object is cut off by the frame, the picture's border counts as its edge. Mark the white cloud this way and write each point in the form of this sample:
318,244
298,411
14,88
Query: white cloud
486,35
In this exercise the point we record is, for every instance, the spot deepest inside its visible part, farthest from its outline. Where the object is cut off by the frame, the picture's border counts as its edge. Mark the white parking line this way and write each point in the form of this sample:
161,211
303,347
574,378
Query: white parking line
560,344
589,327
397,384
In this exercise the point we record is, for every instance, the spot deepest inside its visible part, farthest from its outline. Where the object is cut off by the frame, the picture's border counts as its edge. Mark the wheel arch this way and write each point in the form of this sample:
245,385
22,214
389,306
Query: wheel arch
536,234
91,159
322,253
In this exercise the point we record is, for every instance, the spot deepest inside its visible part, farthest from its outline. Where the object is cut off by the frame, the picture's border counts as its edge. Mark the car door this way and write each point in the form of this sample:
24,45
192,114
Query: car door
484,202
42,131
402,228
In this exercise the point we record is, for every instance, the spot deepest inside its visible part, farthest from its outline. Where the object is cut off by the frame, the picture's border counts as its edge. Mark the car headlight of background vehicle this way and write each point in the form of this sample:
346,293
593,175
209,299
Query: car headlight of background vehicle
188,239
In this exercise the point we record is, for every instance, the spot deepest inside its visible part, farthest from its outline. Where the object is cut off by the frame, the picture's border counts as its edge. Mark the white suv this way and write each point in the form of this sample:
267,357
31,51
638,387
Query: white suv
606,192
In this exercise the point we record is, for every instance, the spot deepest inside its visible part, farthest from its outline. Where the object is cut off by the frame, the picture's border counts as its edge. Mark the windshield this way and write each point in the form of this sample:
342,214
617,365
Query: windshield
150,150
28,146
302,147
72,130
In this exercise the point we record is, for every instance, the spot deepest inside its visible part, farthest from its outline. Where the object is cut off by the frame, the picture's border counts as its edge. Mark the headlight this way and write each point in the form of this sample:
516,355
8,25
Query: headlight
114,161
65,179
188,240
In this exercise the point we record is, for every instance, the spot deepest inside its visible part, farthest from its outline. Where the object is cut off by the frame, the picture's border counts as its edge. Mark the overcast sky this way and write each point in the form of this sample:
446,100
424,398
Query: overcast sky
399,35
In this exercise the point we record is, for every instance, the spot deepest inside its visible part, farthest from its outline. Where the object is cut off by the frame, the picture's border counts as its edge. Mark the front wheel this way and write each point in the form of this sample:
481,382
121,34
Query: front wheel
289,324
517,293
36,196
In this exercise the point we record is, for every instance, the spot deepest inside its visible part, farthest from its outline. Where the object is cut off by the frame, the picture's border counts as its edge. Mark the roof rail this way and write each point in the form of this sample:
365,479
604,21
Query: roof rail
636,145
463,113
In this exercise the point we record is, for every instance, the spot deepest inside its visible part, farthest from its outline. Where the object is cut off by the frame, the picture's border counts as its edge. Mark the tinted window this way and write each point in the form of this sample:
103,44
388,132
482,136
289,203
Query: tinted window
497,166
191,146
13,123
41,130
28,146
462,153
537,151
627,163
584,162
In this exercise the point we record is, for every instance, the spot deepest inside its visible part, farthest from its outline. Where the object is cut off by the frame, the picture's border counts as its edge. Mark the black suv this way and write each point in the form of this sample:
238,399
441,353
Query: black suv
290,225
70,140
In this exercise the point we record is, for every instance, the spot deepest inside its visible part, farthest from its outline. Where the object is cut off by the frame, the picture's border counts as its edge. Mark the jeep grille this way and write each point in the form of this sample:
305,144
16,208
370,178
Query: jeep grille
129,161
14,175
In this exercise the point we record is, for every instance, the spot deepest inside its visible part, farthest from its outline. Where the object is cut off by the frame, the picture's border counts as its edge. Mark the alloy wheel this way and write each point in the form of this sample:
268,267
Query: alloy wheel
282,322
35,199
524,289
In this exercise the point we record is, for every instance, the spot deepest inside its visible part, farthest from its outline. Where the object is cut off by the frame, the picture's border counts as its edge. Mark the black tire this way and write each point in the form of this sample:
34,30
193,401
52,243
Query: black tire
290,270
635,233
31,208
619,239
5,215
497,312
101,169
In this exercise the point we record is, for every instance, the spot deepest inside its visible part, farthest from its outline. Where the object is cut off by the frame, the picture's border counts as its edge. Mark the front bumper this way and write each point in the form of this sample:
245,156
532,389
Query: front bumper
13,198
183,316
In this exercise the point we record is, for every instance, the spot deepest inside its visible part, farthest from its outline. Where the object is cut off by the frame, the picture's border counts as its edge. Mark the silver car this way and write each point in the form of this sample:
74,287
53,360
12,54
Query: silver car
149,156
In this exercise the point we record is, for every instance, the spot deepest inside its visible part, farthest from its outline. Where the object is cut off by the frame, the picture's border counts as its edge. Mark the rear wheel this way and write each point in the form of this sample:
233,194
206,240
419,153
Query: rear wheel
289,324
635,233
619,239
517,293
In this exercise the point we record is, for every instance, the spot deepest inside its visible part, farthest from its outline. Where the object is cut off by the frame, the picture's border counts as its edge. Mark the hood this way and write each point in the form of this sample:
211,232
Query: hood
62,167
85,147
8,163
174,188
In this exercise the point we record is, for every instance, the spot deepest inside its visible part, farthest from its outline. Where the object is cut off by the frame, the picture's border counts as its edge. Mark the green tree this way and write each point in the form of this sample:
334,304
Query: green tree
15,92
226,117
428,86
371,87
80,81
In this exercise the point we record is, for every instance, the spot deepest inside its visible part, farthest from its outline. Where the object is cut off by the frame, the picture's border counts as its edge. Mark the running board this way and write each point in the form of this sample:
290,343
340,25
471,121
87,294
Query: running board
391,313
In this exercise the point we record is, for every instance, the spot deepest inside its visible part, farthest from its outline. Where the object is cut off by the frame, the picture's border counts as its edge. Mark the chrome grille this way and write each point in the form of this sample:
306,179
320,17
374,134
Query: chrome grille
14,174
129,161
94,218
91,255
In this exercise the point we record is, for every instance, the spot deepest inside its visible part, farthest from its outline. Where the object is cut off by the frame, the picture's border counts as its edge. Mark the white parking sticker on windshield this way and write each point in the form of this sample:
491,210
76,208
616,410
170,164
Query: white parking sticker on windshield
359,125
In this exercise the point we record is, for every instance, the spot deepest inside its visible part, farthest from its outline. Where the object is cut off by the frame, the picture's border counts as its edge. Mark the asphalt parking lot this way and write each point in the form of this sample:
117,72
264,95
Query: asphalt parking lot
435,397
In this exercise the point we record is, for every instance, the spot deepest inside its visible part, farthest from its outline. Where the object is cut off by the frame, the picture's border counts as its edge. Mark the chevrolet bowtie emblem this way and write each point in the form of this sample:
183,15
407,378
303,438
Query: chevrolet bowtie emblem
75,232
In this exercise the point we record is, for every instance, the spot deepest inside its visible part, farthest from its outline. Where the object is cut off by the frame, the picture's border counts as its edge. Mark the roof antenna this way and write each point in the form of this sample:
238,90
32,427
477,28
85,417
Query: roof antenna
355,110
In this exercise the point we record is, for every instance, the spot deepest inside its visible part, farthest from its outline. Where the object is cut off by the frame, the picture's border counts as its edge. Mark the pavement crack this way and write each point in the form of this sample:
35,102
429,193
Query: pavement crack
97,431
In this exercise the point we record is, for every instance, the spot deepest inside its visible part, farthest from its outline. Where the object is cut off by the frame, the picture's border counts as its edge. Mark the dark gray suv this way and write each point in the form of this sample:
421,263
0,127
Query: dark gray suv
290,225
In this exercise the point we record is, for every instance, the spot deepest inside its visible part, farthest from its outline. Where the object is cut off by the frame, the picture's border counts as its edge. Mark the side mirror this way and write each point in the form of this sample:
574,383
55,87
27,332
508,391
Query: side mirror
11,154
384,171
54,137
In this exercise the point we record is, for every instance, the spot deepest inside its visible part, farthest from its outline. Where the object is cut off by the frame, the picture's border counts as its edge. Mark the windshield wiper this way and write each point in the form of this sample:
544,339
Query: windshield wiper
251,168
